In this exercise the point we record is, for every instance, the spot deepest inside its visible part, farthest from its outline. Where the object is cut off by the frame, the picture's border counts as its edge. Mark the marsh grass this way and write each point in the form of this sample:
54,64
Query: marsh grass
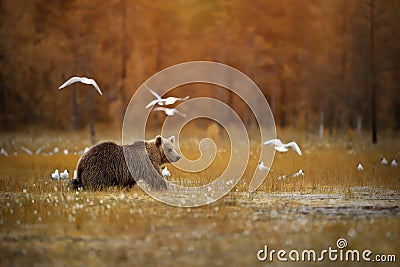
44,223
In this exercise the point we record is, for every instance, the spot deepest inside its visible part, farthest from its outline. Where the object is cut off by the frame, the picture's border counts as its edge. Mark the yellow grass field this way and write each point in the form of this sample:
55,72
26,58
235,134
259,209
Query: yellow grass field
42,223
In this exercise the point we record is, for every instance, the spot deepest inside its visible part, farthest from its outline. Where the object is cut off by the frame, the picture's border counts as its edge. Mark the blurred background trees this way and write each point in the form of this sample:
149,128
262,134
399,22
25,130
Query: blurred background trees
326,67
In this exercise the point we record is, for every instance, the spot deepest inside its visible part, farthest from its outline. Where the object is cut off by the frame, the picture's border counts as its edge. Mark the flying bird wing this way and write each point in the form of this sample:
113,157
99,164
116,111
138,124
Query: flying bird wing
295,147
159,109
82,80
152,103
70,81
152,92
171,100
179,113
281,149
275,142
93,82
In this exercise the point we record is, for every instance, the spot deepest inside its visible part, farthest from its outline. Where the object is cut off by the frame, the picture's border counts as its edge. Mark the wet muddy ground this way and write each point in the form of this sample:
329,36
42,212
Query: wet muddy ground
123,228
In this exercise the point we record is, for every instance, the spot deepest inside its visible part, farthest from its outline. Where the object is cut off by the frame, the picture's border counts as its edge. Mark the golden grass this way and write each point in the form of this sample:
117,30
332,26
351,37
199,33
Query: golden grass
43,223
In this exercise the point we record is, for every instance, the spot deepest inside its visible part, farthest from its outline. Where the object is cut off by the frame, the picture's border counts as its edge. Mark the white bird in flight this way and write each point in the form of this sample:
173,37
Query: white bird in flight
64,175
55,175
165,172
170,111
163,101
281,147
261,166
82,80
360,167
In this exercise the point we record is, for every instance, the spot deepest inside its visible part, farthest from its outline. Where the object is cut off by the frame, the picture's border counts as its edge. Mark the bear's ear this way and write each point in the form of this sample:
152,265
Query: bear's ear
158,140
172,139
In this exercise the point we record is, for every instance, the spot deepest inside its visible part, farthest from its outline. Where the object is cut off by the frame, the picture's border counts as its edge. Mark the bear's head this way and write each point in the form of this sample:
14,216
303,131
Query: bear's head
166,148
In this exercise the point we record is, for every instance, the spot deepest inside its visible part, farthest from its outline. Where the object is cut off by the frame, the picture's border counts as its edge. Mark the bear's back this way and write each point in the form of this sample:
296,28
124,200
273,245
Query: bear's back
105,159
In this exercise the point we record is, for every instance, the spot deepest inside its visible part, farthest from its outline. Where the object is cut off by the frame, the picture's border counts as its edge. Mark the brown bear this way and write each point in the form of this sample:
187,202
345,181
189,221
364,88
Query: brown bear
109,164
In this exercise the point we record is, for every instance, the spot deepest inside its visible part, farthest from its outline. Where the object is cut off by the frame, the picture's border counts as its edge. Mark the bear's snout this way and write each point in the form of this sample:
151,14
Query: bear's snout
173,158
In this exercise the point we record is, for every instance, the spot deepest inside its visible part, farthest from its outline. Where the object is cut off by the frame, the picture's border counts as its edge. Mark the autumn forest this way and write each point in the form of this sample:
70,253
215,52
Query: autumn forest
332,63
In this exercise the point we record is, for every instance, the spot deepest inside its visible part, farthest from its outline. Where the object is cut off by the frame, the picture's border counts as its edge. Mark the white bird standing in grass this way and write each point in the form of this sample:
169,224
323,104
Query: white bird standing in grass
299,173
65,151
64,175
384,161
261,166
82,80
283,177
165,172
360,167
281,147
56,150
55,175
163,101
3,152
170,111
394,163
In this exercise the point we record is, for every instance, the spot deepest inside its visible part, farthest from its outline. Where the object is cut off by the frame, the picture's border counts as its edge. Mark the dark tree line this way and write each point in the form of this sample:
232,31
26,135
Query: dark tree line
326,67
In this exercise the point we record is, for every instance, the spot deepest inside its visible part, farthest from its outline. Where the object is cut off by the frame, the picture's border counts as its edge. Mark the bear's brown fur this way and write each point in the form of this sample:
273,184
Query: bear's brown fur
108,164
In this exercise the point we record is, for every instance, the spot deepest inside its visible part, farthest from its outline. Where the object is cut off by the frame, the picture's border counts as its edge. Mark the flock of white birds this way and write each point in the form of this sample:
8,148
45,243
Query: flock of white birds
56,175
158,101
277,143
384,161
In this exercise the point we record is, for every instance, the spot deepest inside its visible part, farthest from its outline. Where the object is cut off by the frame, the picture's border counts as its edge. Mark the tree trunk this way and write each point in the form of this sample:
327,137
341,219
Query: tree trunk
373,76
74,110
90,96
359,125
282,104
123,59
321,125
91,117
